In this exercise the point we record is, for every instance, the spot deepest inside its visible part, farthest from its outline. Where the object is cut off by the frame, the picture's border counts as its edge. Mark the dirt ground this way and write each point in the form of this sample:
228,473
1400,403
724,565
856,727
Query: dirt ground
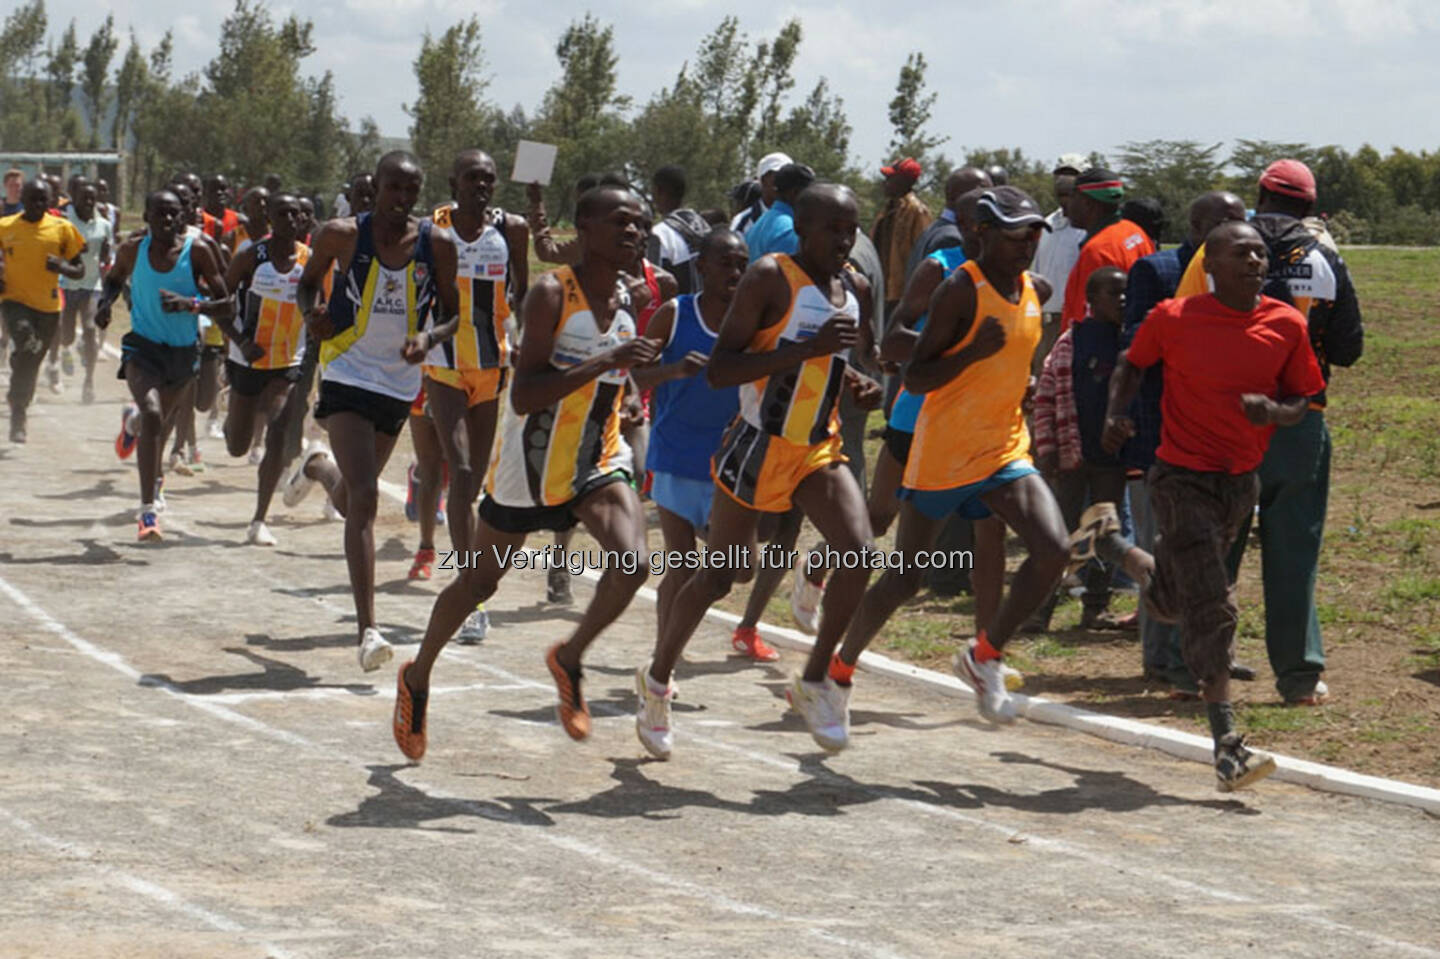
195,766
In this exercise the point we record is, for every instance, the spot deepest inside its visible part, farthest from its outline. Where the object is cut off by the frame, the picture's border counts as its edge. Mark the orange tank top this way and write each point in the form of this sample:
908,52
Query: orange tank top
973,426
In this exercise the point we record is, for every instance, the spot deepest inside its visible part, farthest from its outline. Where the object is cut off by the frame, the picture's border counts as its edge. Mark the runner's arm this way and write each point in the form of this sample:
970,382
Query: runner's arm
952,314
662,329
900,338
447,289
760,302
335,240
115,281
517,237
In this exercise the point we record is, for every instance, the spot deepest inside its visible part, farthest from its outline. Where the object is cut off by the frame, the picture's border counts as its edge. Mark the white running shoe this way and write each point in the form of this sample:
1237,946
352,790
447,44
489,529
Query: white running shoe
259,534
805,599
159,504
1014,679
475,627
179,465
825,707
374,650
298,485
330,512
257,453
652,719
215,427
988,681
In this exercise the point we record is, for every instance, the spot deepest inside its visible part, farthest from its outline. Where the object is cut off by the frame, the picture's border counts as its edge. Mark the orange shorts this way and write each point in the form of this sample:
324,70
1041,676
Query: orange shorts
479,386
761,471
417,408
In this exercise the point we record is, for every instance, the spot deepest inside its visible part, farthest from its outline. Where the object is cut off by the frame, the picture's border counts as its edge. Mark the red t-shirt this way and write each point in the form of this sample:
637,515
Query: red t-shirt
1212,355
1119,244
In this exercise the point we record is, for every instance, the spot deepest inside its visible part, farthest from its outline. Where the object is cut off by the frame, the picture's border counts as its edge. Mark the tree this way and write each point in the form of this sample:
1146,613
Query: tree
98,54
361,150
449,113
130,82
60,71
323,140
910,112
1173,172
23,113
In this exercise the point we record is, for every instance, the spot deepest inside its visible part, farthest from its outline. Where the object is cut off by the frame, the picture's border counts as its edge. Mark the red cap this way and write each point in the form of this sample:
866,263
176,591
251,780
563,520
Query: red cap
1289,178
906,167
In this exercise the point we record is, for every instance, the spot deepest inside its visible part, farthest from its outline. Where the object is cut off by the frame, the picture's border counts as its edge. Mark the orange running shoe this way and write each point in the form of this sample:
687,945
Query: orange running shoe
747,642
424,565
125,442
573,713
149,526
408,724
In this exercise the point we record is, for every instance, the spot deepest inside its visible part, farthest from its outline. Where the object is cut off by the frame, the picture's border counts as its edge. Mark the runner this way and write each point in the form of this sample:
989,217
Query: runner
577,345
253,224
1226,356
465,376
165,269
782,342
81,295
690,415
217,219
38,249
266,349
373,337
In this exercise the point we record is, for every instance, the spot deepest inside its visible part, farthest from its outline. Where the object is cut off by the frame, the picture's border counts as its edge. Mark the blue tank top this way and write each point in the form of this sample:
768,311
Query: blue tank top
906,408
147,319
689,416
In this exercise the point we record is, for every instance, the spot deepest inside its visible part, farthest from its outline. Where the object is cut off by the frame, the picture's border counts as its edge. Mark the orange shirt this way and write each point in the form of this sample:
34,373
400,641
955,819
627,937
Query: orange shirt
973,426
1119,244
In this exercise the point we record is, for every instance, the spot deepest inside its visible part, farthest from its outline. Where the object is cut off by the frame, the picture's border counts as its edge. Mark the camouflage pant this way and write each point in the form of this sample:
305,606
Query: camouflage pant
30,333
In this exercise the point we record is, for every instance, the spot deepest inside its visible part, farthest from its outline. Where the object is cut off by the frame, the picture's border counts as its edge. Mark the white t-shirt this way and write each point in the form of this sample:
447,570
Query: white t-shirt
97,233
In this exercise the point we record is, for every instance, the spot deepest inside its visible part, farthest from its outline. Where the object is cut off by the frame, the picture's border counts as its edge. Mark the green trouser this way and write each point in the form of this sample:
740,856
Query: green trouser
1294,490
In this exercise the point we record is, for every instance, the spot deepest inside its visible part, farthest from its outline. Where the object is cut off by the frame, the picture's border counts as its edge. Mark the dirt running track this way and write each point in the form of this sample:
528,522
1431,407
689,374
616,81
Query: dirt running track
195,766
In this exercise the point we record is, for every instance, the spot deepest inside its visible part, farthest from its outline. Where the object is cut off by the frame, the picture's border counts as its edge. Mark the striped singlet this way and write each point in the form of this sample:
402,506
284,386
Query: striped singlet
800,405
269,314
554,455
973,426
482,342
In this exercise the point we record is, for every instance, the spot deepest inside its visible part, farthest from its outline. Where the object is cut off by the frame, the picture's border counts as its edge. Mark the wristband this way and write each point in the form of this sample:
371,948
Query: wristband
195,304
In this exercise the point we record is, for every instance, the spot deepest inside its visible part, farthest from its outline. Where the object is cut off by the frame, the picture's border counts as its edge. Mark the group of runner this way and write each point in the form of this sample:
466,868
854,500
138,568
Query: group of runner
524,394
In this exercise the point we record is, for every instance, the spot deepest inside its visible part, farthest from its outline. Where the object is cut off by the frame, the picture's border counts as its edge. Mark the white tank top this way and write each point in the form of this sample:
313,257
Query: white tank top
373,362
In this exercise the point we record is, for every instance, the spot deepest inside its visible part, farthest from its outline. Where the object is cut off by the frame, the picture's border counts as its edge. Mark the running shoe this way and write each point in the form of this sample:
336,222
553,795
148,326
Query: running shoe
652,719
805,599
197,465
1014,679
178,464
374,650
214,426
52,374
424,565
574,714
259,534
330,512
1318,696
557,586
408,724
747,642
412,494
992,697
67,363
257,453
475,627
825,707
298,485
87,393
1238,766
17,432
124,441
149,524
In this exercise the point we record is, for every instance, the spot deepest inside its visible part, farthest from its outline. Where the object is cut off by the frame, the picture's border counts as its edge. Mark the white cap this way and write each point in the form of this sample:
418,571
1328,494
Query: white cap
771,162
1073,161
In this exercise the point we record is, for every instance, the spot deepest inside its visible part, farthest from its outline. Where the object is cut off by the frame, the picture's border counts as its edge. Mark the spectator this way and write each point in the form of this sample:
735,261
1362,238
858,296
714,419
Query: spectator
1147,212
1059,249
1110,239
999,176
765,172
674,242
943,232
14,180
775,232
899,225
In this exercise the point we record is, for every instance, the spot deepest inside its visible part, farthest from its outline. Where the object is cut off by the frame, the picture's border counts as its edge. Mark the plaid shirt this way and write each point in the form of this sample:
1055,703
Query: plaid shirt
1056,428
1153,278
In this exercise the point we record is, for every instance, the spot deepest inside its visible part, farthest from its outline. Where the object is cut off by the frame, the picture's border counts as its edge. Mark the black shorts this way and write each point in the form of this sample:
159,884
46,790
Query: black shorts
385,413
248,381
534,519
898,443
172,365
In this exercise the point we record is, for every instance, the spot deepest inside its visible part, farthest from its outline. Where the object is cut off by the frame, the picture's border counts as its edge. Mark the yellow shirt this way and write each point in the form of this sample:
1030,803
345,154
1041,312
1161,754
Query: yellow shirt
26,246
1195,281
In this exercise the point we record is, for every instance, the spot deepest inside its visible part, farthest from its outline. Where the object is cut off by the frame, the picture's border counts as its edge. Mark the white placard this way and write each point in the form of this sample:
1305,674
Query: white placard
534,162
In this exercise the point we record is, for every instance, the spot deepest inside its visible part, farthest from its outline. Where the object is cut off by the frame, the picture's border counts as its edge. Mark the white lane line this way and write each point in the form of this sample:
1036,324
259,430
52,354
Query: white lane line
142,887
659,879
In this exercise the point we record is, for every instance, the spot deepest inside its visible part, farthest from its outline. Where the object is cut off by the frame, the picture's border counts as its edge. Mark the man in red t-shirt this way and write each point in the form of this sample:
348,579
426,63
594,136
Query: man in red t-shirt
1228,355
1111,240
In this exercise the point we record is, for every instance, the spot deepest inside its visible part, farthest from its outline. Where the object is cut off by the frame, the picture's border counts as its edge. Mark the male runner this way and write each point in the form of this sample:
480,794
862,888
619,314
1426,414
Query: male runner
560,459
1237,365
390,269
266,349
38,248
216,216
783,342
465,376
253,225
81,295
165,268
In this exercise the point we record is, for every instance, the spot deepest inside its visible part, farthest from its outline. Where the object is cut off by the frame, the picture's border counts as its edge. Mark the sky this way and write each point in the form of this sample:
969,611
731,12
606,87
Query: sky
1050,77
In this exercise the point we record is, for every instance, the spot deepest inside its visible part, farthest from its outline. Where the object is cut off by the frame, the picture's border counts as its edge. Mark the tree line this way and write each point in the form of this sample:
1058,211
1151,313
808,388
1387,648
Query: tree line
253,110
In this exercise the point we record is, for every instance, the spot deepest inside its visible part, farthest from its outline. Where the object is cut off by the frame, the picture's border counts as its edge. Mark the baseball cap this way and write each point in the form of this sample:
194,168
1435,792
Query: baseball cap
907,167
770,163
1008,207
794,176
1101,184
1070,163
1290,178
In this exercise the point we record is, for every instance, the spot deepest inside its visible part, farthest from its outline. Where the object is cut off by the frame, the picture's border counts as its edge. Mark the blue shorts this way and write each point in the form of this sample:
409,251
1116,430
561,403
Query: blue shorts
965,500
689,499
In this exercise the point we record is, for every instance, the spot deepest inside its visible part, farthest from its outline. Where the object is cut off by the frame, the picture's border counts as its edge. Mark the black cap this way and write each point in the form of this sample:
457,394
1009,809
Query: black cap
1008,207
793,176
